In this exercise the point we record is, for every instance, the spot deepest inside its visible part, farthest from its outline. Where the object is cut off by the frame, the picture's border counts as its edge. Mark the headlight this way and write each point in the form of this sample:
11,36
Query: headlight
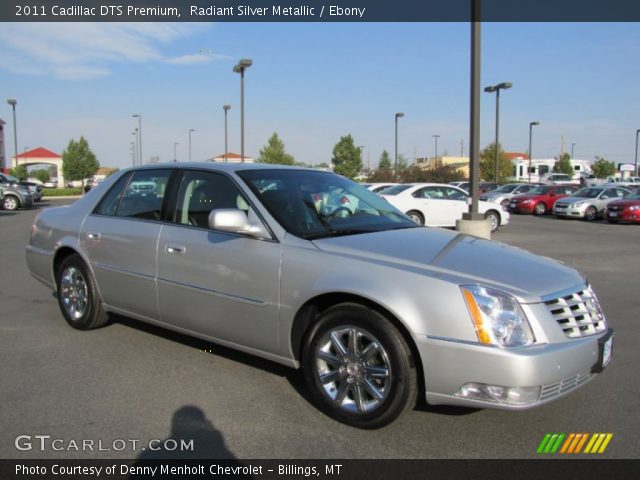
634,207
528,200
576,205
497,317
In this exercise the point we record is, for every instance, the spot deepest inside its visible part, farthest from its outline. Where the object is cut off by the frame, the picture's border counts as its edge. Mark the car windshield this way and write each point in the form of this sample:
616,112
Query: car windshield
394,189
633,196
313,205
11,178
540,191
506,188
587,193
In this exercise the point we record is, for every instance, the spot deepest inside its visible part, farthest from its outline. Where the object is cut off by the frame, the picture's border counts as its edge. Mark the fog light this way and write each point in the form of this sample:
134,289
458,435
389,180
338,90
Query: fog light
499,394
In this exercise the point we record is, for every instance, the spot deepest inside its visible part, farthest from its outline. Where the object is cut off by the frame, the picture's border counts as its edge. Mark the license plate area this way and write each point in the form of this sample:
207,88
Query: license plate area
605,351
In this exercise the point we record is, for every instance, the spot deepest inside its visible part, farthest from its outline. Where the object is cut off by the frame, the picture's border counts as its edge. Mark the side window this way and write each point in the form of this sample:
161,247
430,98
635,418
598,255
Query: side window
621,193
418,193
110,201
611,193
455,194
144,195
201,192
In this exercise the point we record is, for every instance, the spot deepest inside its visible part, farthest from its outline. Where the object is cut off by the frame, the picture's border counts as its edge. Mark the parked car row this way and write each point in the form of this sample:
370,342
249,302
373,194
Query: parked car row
18,194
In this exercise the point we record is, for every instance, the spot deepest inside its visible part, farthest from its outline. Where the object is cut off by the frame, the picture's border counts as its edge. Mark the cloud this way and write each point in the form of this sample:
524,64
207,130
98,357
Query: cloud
82,51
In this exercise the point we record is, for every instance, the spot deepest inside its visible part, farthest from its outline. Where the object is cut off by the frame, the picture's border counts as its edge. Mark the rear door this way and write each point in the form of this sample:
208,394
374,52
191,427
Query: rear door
120,238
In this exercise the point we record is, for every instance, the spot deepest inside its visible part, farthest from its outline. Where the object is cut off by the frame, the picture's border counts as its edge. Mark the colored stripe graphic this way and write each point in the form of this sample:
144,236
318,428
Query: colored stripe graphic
573,443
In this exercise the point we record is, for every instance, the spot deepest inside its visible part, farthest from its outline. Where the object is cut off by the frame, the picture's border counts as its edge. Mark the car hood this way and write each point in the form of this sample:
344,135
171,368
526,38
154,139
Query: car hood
568,200
624,203
459,258
526,196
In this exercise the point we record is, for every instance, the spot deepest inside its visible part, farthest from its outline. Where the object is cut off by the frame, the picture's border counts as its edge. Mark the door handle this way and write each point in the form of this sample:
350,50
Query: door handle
177,249
93,236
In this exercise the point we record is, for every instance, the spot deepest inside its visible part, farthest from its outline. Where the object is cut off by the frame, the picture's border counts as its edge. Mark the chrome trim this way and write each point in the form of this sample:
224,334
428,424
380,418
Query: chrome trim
111,268
213,292
565,292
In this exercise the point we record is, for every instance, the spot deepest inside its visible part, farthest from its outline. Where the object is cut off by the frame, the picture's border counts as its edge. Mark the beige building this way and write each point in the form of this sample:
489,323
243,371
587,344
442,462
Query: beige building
231,158
460,164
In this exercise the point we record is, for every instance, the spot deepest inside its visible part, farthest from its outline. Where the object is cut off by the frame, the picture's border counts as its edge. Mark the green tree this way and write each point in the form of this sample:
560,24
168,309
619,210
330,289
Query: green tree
78,161
42,175
274,152
488,164
346,158
441,174
602,168
385,161
20,172
563,165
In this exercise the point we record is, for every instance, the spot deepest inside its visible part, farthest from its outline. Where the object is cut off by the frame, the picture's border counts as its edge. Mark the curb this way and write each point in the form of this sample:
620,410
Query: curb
60,197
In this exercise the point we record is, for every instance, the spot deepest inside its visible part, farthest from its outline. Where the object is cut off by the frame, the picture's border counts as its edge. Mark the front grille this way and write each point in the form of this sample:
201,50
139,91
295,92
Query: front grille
565,385
578,314
615,208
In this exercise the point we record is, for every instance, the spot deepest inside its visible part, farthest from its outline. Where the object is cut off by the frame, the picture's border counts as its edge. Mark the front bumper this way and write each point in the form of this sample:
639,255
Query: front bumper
569,212
557,369
521,207
624,216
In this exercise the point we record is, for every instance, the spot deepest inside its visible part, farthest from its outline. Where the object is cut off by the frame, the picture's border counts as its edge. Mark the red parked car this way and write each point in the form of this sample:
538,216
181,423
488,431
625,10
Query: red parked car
541,199
625,210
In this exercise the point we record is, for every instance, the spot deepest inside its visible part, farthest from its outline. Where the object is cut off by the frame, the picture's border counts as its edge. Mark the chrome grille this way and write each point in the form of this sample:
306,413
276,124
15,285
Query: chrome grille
578,314
565,385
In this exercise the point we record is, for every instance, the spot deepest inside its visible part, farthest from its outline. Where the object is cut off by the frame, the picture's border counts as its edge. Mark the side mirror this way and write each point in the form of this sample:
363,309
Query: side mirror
234,220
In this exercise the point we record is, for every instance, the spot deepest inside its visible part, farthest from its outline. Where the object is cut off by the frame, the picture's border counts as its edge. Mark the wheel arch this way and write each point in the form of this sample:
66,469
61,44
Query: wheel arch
304,323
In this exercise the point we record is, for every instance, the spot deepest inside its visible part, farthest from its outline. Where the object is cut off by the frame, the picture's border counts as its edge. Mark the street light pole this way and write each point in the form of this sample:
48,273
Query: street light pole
531,125
572,145
226,146
398,115
135,153
240,68
491,89
175,157
13,103
436,139
635,164
190,130
139,139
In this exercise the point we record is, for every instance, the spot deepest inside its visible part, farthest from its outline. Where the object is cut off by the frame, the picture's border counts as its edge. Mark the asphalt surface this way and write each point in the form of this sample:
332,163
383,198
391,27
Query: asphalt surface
129,381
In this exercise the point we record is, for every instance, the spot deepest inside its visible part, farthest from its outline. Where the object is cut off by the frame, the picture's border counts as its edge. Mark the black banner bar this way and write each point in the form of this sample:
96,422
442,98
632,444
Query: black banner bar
318,11
324,469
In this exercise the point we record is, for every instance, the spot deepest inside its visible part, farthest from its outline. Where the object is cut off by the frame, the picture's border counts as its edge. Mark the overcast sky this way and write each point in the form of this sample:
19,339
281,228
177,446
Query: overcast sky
314,82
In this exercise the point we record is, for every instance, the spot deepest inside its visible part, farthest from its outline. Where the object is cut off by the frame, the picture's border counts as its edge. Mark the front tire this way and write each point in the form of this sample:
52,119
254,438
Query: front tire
539,209
494,219
590,214
11,202
78,297
358,367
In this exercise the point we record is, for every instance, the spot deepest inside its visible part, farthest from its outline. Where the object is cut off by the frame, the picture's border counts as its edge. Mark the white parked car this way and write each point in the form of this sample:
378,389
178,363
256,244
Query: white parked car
439,205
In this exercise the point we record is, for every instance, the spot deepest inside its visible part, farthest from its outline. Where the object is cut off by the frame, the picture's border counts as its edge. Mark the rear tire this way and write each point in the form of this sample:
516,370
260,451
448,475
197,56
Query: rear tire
416,216
358,367
78,297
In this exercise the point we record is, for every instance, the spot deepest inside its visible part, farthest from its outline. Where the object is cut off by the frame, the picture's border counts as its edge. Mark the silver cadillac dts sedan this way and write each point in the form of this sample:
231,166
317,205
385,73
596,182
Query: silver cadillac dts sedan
311,270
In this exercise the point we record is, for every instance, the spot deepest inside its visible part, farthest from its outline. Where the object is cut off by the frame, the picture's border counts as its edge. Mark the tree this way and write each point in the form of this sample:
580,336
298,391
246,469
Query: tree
78,161
385,161
346,158
42,175
602,168
20,172
488,164
274,152
563,165
441,174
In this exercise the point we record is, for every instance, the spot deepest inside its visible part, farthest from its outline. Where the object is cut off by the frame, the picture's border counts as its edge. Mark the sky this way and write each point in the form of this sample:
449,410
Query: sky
315,82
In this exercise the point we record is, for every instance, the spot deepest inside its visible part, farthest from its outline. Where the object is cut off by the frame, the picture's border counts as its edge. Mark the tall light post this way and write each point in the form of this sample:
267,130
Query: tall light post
491,89
226,108
133,152
531,125
136,160
572,145
13,103
190,131
635,164
139,139
175,156
398,115
435,137
240,68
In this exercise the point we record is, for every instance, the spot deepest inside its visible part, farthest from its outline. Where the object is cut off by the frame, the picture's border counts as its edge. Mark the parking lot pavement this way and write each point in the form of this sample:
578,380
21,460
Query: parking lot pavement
134,382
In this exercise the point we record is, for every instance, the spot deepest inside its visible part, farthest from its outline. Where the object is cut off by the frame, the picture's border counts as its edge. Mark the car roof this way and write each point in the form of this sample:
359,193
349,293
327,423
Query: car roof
223,167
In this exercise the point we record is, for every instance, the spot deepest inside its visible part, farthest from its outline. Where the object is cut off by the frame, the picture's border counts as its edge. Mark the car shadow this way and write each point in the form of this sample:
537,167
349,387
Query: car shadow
7,213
